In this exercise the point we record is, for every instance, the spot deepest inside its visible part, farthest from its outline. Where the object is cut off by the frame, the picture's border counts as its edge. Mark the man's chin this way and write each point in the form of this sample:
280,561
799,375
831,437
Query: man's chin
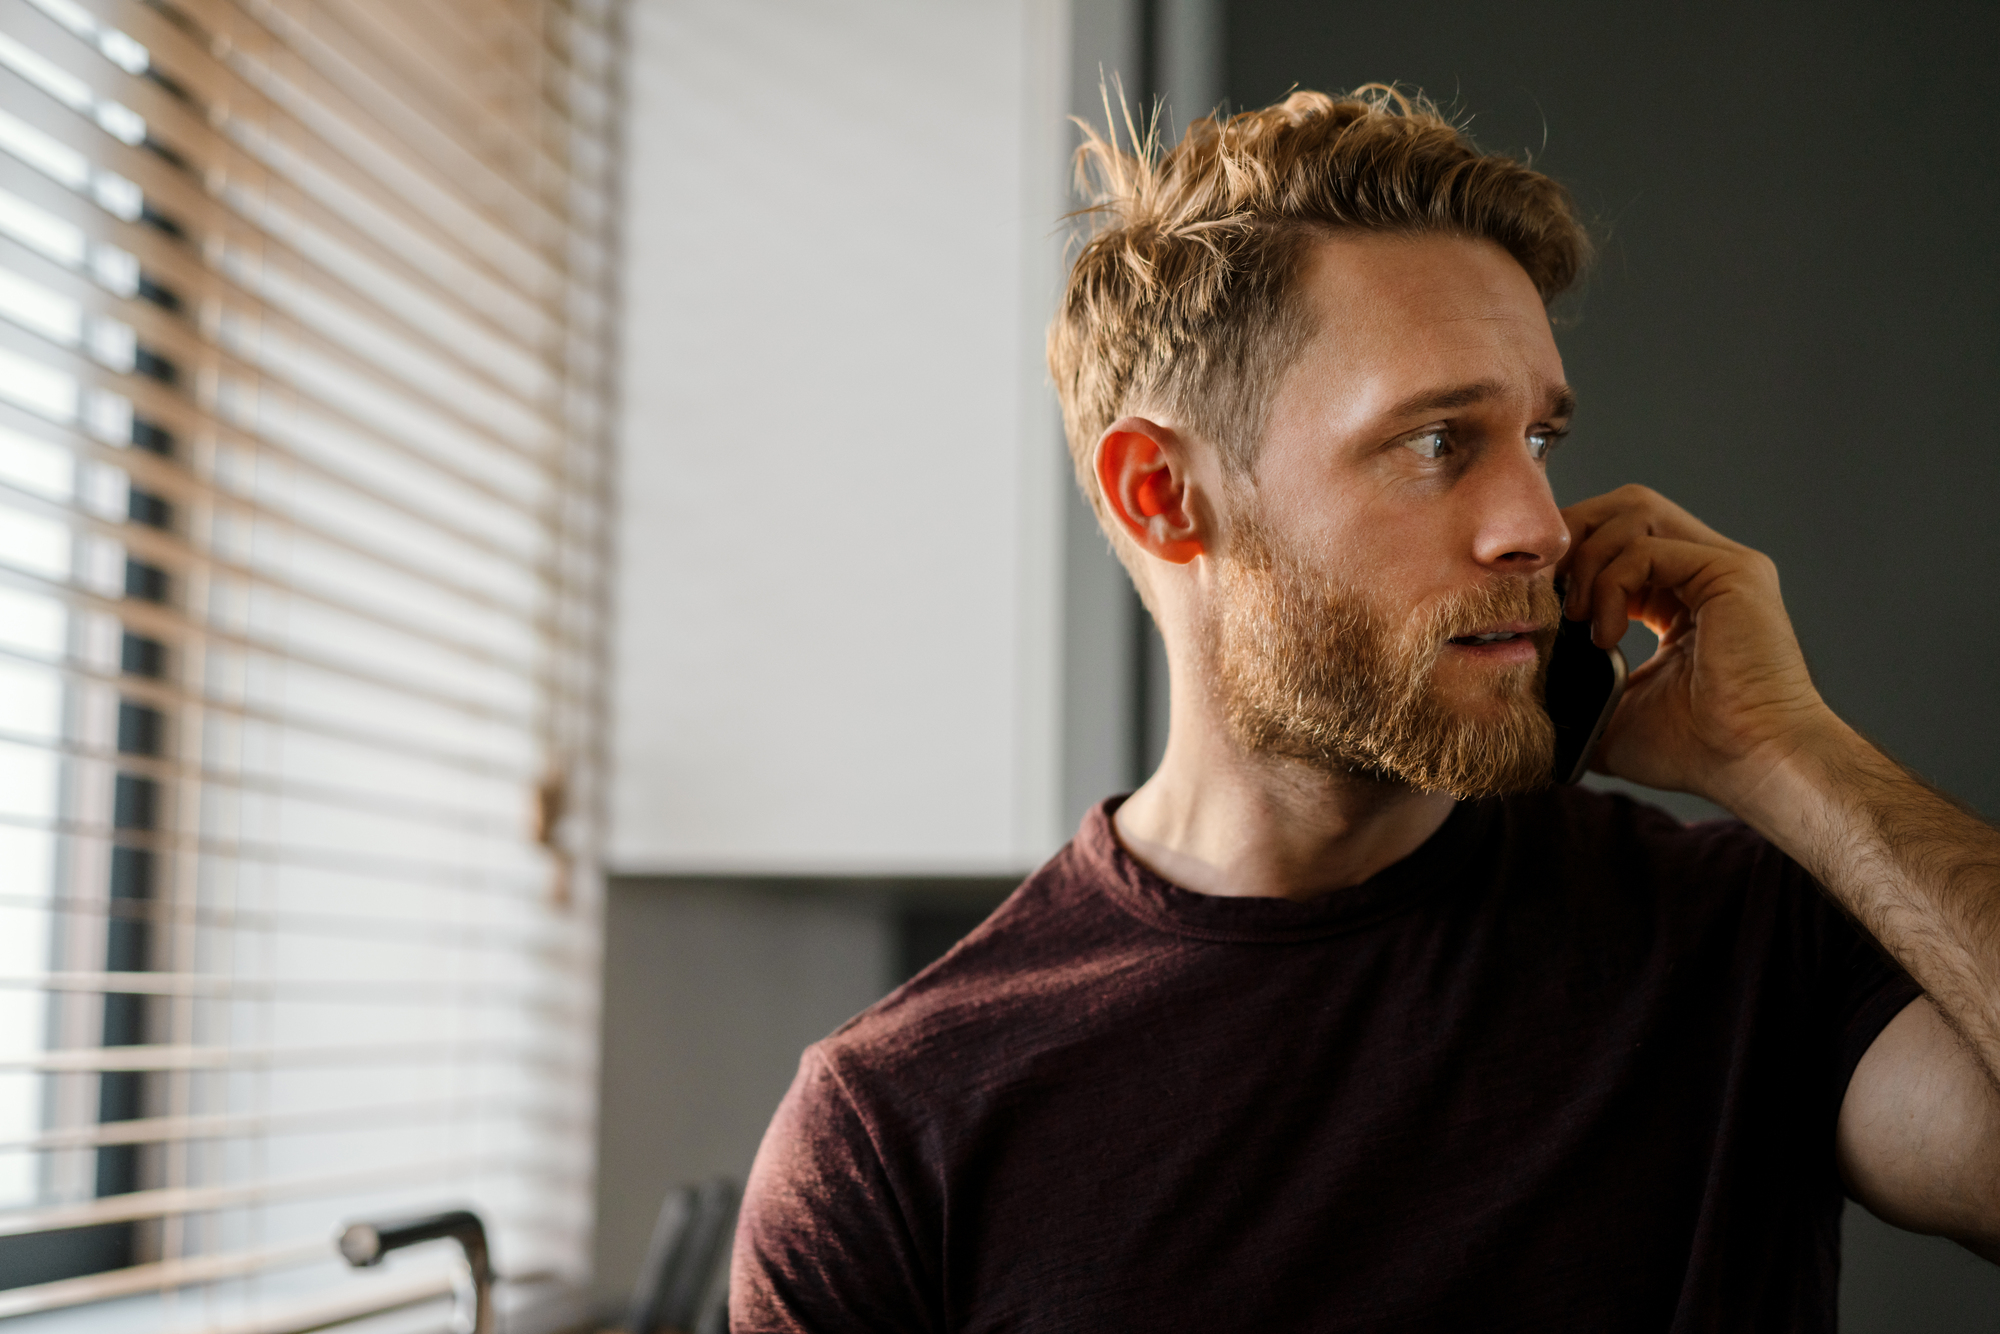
1507,783
1472,686
1494,749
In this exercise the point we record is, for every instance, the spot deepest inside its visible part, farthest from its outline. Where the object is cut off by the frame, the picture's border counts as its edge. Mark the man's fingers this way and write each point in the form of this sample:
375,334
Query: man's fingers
1604,527
1588,560
1589,555
1667,519
1666,616
1690,571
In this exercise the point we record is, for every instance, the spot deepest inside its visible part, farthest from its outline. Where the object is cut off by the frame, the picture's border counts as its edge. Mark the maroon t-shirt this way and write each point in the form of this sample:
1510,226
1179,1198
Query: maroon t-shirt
1569,1066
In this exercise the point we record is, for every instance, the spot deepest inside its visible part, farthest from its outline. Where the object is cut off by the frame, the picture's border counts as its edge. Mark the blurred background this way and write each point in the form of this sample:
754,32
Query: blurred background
539,573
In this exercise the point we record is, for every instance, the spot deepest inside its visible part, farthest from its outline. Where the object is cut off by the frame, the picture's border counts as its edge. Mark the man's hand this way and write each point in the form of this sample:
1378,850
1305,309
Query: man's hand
1726,710
1727,696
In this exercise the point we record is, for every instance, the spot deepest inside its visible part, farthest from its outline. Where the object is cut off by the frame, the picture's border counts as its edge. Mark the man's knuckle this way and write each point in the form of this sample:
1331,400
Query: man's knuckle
1762,567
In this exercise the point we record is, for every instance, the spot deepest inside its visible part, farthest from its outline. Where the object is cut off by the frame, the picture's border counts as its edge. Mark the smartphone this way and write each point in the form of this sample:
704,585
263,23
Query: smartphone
1584,684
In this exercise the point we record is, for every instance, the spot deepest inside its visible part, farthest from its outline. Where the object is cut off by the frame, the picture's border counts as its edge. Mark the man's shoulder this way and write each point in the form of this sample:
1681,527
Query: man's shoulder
1612,856
1600,828
1007,989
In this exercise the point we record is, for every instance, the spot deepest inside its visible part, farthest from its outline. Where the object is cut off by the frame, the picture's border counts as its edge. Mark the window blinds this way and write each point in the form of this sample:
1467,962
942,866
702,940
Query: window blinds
304,377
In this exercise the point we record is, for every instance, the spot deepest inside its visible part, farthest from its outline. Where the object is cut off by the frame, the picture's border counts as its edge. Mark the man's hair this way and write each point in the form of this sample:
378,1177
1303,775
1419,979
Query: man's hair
1185,298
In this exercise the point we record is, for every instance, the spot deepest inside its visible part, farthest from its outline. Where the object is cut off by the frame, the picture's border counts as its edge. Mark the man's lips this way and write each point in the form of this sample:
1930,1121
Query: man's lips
1502,644
1502,632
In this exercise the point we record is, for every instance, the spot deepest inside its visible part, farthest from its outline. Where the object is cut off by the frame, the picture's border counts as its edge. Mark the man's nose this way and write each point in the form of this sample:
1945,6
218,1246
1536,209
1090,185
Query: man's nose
1520,530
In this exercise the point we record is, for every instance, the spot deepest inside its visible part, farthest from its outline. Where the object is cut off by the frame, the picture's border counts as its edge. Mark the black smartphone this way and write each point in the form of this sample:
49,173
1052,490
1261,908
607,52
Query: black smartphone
1583,687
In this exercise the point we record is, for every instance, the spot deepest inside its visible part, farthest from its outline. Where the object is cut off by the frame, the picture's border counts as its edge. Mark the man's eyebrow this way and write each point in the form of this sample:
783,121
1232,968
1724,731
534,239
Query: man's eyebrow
1562,399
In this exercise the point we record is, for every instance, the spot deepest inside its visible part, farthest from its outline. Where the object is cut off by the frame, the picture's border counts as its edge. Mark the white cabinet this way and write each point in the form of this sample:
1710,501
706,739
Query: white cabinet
840,614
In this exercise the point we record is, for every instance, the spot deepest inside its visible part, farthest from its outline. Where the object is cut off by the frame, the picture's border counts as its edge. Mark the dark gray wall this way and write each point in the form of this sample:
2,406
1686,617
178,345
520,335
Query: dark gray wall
1792,330
712,989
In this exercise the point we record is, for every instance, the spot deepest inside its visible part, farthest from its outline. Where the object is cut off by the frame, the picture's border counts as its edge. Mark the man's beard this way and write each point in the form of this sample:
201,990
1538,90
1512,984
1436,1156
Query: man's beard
1311,671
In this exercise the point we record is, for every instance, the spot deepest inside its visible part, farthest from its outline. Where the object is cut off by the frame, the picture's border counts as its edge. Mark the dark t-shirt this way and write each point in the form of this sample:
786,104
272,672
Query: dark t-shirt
1569,1066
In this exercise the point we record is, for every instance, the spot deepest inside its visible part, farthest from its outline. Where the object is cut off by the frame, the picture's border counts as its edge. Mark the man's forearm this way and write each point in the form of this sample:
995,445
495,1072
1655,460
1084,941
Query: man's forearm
1918,871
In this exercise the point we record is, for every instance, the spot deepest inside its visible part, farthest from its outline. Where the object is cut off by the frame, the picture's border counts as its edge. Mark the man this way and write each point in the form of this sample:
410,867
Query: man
1345,1019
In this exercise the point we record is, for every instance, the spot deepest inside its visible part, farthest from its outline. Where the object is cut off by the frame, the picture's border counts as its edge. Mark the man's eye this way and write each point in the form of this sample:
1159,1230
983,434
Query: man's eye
1540,443
1434,444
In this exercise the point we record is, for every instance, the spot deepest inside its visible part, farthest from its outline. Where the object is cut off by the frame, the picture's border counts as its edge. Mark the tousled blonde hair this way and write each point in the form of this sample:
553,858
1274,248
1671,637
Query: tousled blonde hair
1183,298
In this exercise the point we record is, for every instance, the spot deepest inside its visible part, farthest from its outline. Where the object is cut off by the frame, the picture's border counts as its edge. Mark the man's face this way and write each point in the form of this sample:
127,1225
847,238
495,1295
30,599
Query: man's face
1382,599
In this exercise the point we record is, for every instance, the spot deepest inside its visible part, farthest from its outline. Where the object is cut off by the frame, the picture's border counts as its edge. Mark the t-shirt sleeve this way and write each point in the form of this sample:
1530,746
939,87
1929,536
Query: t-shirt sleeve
1856,987
1866,994
822,1243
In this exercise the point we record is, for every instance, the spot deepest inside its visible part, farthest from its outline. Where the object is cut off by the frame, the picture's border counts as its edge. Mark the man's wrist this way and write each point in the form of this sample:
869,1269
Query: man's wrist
1794,782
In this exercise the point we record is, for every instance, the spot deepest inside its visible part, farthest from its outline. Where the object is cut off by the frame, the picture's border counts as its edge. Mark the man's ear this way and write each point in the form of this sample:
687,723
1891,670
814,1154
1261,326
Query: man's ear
1142,469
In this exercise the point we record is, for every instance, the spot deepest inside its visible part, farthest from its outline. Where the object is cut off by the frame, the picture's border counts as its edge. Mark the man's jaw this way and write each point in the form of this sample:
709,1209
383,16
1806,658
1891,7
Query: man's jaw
1309,672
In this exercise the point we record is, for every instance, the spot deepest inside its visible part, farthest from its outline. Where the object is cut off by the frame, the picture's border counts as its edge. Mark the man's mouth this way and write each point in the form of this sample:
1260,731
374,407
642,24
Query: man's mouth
1507,641
1502,633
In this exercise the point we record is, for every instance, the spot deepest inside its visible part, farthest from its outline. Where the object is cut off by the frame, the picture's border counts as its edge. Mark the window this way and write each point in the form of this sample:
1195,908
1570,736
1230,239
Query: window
304,376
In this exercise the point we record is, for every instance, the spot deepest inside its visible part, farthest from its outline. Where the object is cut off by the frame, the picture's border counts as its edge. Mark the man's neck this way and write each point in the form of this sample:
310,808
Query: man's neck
1216,820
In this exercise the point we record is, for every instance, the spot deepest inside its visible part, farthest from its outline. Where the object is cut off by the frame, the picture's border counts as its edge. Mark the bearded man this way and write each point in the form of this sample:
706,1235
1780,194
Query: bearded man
1346,1019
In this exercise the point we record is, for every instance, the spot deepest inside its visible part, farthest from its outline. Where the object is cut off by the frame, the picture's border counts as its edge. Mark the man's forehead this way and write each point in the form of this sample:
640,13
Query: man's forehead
1431,277
1411,324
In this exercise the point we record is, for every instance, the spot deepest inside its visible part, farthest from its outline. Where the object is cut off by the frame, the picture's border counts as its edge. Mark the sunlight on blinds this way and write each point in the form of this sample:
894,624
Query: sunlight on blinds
304,385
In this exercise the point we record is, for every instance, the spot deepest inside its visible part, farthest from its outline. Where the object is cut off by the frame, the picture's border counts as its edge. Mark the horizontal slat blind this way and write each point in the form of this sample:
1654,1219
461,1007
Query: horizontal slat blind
304,383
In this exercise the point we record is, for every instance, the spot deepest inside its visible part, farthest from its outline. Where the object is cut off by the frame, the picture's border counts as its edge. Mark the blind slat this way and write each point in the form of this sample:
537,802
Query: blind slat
200,360
176,413
178,556
459,821
186,145
244,217
205,130
180,486
430,34
362,991
390,119
183,270
475,119
388,743
172,334
162,1056
175,1273
409,930
353,1119
462,34
407,871
159,619
189,1200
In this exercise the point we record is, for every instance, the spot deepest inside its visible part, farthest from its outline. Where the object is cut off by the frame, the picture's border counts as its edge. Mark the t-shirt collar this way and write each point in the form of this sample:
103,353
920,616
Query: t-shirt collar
1436,864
